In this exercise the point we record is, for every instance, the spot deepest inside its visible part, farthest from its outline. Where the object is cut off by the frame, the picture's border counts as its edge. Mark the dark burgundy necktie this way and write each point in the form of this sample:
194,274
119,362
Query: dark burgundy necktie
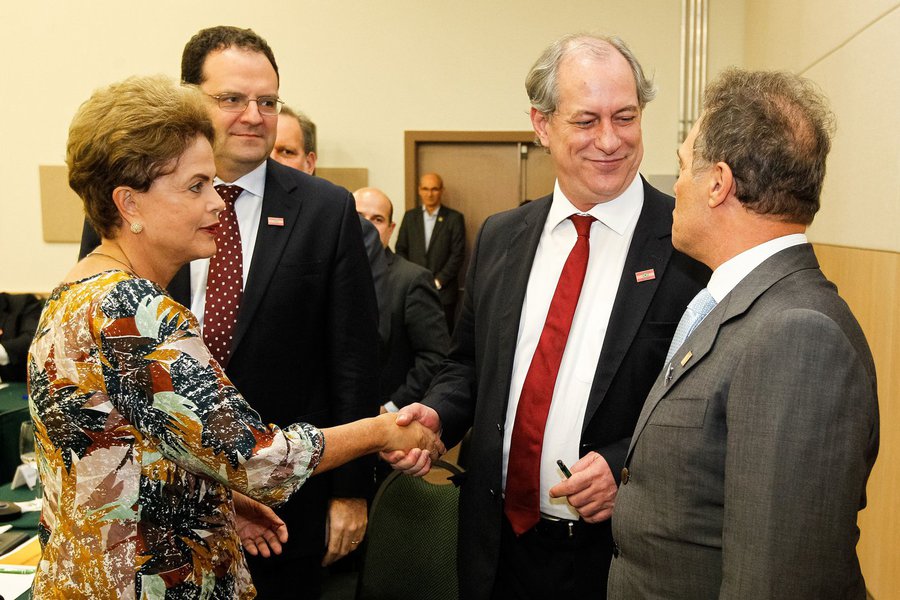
224,283
523,472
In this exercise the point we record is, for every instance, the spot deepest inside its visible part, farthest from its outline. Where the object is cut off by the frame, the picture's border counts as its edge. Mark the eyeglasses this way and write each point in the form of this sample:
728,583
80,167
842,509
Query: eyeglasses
231,102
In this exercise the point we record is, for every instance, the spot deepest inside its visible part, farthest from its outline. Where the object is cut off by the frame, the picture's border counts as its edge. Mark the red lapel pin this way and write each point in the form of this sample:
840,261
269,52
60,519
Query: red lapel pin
275,221
645,275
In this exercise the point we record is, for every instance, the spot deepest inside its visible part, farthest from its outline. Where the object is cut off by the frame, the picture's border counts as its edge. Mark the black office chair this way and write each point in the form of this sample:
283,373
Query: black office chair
410,551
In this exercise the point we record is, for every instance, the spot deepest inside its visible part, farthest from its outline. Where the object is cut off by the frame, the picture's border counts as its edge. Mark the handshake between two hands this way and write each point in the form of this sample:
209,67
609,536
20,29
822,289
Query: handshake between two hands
415,458
590,488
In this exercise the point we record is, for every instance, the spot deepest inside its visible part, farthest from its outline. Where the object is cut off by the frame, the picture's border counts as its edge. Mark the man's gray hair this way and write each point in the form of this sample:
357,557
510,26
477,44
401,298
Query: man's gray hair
773,129
541,82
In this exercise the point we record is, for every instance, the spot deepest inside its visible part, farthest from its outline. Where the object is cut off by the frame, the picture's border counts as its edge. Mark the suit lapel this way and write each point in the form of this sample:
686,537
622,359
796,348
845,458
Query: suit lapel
417,233
438,228
279,200
517,263
733,306
650,249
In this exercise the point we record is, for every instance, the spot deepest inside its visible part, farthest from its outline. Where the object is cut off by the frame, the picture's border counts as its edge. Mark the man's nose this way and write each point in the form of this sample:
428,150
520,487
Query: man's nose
607,138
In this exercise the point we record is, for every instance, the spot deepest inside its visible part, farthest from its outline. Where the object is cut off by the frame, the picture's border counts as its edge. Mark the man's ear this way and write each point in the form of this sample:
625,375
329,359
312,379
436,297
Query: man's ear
721,184
540,121
311,162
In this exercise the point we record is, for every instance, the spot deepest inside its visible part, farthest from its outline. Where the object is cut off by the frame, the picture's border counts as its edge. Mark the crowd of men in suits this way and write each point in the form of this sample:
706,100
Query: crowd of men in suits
750,457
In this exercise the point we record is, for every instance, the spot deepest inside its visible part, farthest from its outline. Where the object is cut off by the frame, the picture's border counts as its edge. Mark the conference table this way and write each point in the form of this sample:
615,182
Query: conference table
13,412
27,554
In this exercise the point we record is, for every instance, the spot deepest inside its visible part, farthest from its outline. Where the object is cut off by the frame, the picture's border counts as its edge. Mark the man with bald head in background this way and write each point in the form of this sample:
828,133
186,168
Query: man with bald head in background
411,319
304,342
570,304
434,236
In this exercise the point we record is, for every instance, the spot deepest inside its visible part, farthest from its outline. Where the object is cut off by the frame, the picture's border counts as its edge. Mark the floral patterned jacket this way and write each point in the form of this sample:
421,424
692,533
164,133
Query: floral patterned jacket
139,437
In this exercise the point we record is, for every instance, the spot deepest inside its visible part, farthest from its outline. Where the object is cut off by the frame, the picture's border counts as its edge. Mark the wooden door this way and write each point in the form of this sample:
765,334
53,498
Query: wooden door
484,172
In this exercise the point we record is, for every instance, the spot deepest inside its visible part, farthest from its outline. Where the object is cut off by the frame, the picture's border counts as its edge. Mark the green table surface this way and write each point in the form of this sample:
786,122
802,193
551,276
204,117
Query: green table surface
13,412
28,522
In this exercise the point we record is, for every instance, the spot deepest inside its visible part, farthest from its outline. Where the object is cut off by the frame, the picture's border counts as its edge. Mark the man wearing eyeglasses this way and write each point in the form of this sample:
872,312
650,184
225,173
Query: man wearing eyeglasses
305,342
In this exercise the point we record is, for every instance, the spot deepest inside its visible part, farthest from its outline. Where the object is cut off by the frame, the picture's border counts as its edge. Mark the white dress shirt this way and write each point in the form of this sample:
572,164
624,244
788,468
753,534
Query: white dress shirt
730,273
248,208
610,238
4,358
430,219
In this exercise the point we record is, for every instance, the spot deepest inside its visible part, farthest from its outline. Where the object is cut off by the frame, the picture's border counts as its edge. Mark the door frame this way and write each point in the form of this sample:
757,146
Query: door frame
412,139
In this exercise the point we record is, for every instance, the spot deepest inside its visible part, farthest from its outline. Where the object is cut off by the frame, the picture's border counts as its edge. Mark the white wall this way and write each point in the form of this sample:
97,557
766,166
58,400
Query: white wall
850,49
364,70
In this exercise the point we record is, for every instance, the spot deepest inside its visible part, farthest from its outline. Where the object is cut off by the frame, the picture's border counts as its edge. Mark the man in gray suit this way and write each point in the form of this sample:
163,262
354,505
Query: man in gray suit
749,462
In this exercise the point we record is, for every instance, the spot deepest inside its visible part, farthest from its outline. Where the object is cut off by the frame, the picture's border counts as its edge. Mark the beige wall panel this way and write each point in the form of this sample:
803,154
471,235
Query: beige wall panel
62,211
347,177
870,283
795,34
364,71
861,199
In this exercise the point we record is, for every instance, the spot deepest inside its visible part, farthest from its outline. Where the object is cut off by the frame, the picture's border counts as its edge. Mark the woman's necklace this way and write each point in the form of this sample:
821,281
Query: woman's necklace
125,262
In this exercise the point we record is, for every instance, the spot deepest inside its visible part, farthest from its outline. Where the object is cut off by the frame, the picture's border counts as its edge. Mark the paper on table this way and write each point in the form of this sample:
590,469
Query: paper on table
24,475
28,553
13,585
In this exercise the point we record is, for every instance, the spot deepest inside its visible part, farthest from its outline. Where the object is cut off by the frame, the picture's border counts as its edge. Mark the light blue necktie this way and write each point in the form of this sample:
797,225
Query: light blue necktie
696,311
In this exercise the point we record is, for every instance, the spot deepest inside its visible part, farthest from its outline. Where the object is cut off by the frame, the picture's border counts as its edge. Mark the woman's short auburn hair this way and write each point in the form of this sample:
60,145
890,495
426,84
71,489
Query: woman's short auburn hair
130,133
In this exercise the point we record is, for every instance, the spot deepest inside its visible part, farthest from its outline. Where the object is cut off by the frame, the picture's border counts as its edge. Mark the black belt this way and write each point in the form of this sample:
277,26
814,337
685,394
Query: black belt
559,529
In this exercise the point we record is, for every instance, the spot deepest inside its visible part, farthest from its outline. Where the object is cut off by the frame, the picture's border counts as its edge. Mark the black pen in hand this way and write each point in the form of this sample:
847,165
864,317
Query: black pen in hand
563,468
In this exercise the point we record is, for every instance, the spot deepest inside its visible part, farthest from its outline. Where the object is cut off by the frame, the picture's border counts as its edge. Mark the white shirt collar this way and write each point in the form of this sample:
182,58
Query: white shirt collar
616,214
732,272
253,182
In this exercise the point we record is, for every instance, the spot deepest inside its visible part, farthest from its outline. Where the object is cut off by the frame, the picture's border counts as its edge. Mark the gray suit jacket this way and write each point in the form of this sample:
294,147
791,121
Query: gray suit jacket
749,461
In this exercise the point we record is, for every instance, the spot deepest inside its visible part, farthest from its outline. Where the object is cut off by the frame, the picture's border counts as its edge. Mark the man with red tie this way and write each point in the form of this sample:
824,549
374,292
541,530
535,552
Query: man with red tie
571,302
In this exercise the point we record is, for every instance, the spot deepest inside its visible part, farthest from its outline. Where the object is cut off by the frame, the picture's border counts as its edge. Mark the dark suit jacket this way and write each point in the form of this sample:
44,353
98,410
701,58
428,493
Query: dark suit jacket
415,331
749,462
473,386
19,316
306,342
446,252
371,239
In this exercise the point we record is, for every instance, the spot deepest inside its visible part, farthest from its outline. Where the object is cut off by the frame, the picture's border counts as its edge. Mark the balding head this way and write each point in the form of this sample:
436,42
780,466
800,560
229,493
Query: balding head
431,189
376,207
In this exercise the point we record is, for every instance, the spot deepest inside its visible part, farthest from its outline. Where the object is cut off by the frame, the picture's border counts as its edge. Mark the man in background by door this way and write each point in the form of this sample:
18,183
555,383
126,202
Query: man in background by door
434,236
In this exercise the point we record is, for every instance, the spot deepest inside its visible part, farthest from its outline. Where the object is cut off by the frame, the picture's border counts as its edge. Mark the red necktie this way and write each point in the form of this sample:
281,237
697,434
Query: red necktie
523,472
224,283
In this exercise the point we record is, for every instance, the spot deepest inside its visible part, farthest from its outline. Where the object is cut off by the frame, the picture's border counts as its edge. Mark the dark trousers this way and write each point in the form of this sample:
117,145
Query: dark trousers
287,576
450,315
548,562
